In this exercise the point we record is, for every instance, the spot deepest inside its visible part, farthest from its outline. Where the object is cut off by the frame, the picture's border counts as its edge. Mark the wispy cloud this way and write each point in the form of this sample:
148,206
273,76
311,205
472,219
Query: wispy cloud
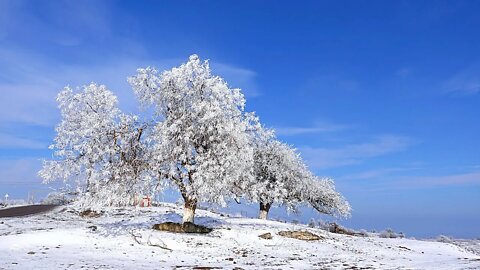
242,78
403,72
21,171
415,182
8,141
377,173
29,84
64,23
319,127
464,83
322,158
19,179
467,178
329,83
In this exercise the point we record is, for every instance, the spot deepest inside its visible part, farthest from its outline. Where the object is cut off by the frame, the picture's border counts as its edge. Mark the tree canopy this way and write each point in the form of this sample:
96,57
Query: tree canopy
200,141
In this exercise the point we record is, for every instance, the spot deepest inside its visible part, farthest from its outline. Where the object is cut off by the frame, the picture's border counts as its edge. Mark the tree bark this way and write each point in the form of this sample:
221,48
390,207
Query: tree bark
264,208
189,210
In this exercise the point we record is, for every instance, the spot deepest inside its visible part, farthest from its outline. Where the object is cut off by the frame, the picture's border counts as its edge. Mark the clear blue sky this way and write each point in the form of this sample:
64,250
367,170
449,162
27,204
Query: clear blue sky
383,96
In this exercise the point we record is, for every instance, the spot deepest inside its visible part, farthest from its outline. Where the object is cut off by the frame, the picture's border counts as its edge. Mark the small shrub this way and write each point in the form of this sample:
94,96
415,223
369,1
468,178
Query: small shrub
444,239
389,233
364,233
58,198
323,225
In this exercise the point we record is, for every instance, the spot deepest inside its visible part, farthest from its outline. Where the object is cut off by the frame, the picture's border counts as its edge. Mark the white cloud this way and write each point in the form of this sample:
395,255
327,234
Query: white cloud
66,23
464,83
27,103
20,171
416,182
238,77
8,141
403,72
319,127
29,82
322,158
19,179
467,178
332,84
381,173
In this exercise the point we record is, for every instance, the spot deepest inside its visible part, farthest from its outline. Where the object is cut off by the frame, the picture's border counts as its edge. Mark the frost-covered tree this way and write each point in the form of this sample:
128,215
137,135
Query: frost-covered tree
97,147
200,145
130,172
201,142
281,177
274,166
320,194
316,192
84,135
276,170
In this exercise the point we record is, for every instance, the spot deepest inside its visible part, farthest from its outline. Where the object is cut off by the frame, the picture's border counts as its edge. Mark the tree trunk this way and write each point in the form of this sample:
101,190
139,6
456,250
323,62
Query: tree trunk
189,210
264,208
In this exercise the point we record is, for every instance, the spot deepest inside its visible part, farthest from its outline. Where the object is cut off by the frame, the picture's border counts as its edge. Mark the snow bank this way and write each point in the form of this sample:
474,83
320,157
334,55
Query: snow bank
61,239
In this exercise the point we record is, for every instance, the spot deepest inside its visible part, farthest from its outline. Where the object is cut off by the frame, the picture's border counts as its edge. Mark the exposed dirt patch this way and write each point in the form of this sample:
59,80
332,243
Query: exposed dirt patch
266,236
300,235
89,214
186,227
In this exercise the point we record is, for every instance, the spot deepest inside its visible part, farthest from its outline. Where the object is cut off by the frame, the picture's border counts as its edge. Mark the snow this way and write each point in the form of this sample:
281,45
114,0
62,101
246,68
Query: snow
281,177
199,142
61,239
98,150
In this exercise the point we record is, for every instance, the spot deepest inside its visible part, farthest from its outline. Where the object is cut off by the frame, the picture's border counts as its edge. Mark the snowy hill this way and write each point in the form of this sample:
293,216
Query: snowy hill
61,239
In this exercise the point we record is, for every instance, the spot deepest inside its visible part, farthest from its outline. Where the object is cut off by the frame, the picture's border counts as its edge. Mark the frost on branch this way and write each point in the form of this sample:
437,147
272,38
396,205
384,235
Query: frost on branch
281,177
200,146
201,143
320,194
97,148
274,169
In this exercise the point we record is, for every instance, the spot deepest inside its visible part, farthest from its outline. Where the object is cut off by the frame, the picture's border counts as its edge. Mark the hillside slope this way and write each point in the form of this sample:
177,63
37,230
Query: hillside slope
61,239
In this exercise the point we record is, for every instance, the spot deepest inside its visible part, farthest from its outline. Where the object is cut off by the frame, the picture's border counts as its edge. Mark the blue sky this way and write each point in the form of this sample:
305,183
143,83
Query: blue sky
383,96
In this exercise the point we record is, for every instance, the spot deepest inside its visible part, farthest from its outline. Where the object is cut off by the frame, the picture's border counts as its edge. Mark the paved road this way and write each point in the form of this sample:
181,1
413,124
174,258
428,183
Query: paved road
20,211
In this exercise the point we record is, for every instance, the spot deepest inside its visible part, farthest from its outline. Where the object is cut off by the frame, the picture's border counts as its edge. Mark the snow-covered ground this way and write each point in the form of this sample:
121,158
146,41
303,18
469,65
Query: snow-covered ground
63,240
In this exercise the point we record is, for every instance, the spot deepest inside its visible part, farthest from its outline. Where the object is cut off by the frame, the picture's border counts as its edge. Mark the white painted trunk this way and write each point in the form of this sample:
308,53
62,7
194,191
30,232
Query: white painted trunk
188,214
263,214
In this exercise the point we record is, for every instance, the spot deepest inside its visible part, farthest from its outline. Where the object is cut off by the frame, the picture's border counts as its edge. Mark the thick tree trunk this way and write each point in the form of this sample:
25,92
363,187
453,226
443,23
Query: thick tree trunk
264,208
189,210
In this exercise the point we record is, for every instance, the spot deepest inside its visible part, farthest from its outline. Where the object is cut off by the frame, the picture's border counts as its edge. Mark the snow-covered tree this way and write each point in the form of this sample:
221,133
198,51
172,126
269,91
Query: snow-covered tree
281,177
200,145
97,147
201,142
129,166
320,194
84,135
274,167
276,170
